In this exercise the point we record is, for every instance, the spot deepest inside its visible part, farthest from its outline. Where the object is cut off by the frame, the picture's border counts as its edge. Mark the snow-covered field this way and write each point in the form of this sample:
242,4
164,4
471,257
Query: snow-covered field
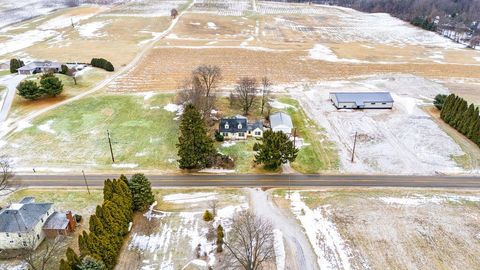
404,140
389,228
172,239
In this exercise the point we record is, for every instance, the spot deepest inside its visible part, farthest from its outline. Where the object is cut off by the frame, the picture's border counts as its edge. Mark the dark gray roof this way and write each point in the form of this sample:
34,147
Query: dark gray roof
27,200
253,126
22,217
235,124
57,221
362,97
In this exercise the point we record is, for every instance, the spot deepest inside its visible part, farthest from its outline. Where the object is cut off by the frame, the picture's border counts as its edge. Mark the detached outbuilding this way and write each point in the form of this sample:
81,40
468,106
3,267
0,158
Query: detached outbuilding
362,100
281,122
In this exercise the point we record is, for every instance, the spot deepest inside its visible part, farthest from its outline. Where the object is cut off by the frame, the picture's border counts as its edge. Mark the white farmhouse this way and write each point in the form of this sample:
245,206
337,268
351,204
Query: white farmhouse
362,100
281,122
21,224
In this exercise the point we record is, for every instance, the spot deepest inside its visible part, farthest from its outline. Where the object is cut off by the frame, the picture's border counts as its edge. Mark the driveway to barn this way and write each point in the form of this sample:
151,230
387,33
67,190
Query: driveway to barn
11,82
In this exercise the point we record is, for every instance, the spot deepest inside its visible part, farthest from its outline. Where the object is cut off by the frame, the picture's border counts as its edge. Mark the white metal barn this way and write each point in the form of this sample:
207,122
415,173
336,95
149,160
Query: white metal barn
281,122
362,100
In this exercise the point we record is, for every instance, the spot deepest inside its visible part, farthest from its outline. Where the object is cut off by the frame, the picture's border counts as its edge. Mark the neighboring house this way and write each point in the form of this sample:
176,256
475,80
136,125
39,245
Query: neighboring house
281,122
362,100
255,129
5,65
234,128
40,66
27,223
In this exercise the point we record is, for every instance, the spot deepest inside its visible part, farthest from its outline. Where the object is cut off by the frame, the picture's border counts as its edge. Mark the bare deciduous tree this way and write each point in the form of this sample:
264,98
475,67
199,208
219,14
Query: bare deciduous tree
200,88
249,242
173,13
72,72
266,84
6,172
213,204
39,259
245,94
474,42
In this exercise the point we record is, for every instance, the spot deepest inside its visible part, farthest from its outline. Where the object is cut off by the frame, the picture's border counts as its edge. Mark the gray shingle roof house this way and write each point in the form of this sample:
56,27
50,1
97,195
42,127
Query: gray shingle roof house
281,121
362,100
40,66
237,127
21,224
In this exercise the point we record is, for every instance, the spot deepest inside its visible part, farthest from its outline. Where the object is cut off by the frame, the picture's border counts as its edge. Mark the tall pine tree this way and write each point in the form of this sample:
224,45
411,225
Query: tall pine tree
194,145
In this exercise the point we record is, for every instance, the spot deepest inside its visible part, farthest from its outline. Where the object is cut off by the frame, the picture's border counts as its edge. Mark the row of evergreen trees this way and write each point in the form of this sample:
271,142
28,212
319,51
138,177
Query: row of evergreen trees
102,63
461,116
110,223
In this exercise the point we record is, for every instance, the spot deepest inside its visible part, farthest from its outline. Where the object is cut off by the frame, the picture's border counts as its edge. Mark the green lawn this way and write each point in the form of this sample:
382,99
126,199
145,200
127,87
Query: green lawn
319,154
4,72
75,135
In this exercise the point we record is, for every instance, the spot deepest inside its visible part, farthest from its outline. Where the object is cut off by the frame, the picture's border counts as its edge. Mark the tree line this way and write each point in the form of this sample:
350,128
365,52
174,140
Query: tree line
463,117
102,63
111,222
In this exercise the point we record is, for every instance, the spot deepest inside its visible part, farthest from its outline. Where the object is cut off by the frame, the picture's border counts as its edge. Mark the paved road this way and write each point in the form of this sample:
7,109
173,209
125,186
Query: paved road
205,180
11,82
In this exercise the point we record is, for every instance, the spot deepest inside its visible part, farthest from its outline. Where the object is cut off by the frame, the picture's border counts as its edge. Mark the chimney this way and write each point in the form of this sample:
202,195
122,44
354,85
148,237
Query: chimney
72,223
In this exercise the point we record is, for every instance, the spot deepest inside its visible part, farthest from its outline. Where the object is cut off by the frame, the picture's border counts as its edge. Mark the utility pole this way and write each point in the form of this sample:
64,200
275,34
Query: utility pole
110,144
354,146
86,184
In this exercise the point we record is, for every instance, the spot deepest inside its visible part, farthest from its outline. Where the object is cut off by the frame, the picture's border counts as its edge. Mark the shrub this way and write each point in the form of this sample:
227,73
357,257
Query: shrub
207,216
102,63
51,85
219,137
439,101
29,90
78,218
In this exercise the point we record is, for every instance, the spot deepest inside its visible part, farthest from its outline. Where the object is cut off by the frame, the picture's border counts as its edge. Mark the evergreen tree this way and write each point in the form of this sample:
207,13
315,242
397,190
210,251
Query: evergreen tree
90,263
29,89
207,216
96,225
439,101
107,190
141,192
194,145
220,235
14,65
275,150
124,179
51,85
83,244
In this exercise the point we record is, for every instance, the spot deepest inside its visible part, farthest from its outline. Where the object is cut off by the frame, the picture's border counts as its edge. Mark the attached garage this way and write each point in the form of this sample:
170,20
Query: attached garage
362,100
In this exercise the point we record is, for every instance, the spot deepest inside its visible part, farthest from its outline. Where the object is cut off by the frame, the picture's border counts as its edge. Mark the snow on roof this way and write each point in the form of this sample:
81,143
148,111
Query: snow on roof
362,97
281,119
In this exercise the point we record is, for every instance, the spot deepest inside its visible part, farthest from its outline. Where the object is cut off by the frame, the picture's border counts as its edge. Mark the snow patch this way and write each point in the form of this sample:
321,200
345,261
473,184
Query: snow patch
212,25
90,30
47,127
416,200
190,197
328,244
172,107
227,144
321,52
281,106
125,165
279,249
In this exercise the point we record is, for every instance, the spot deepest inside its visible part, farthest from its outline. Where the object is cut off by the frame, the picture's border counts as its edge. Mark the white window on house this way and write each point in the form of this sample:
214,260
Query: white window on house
225,133
344,106
384,103
373,103
24,243
257,133
11,241
239,126
241,134
227,126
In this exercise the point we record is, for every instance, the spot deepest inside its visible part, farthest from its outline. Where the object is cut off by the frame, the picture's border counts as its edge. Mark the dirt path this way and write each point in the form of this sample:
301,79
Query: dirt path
11,126
296,242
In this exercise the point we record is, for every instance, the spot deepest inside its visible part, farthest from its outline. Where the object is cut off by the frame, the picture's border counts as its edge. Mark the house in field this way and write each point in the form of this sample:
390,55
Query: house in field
238,128
362,100
281,121
40,67
24,225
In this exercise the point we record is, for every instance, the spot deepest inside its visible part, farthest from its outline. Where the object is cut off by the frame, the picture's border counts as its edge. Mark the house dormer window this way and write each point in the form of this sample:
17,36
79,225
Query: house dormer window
239,126
226,126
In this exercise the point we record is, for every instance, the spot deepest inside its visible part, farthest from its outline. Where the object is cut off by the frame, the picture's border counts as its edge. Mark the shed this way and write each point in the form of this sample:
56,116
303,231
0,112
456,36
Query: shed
362,100
281,122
